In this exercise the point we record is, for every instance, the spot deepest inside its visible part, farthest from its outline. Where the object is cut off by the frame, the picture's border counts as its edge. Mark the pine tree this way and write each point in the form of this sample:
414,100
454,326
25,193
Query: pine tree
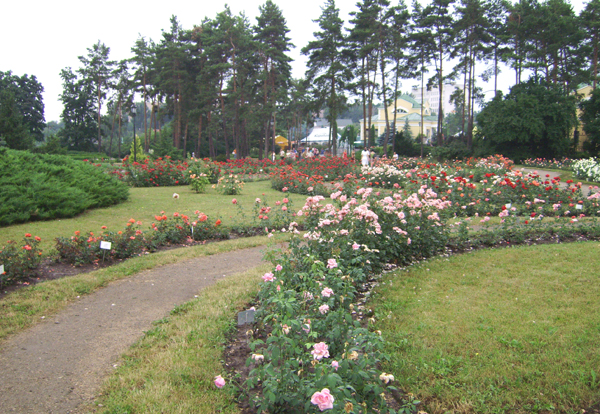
422,48
172,76
79,111
399,52
328,72
439,22
363,43
97,69
590,21
473,40
275,75
143,59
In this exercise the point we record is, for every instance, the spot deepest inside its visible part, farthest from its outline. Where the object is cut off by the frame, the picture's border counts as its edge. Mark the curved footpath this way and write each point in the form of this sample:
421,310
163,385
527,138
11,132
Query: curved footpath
585,188
57,365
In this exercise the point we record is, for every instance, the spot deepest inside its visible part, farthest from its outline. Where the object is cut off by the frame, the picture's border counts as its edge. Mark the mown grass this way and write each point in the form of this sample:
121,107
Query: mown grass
172,368
145,203
25,307
511,330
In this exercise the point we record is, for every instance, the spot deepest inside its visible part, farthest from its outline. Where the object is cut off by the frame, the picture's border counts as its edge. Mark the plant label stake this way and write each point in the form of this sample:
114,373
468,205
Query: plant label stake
104,245
508,206
1,269
579,207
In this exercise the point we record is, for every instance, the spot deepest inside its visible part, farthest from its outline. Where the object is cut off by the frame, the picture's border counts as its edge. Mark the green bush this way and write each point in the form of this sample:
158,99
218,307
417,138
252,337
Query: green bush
52,146
20,260
453,150
44,187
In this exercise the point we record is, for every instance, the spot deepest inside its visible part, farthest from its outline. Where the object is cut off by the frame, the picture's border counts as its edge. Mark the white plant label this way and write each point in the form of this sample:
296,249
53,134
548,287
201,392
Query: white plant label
1,269
105,245
508,205
579,207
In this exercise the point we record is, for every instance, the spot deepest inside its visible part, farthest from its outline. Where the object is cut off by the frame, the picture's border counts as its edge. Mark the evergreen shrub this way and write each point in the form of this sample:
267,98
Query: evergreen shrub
45,187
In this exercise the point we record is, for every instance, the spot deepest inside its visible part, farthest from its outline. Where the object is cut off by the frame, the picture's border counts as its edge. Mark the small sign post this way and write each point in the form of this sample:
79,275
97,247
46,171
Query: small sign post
245,317
104,245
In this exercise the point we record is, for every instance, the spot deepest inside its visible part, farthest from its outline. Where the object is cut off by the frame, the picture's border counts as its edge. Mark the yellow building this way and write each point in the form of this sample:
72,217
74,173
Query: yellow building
584,91
407,108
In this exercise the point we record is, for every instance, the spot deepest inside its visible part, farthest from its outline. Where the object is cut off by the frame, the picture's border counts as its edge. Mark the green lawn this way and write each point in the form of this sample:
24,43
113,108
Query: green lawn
145,203
497,331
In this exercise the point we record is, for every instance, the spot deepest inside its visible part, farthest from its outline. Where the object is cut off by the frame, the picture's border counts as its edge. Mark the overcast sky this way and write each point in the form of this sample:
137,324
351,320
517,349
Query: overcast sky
41,37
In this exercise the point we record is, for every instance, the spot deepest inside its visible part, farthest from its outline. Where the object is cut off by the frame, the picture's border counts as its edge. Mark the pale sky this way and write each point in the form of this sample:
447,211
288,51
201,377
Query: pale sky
41,37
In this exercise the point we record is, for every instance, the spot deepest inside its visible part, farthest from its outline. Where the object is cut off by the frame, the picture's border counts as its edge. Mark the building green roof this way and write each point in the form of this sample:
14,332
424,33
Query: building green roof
410,100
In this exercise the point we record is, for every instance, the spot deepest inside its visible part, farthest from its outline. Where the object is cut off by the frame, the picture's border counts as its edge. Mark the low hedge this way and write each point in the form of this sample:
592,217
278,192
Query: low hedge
45,187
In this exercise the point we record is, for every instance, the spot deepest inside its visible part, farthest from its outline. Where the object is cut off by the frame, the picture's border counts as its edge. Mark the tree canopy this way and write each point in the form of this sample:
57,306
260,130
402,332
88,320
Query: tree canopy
533,120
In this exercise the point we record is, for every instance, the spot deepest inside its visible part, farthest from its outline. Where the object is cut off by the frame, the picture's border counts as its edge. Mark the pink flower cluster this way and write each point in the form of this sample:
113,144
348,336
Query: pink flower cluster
320,351
323,399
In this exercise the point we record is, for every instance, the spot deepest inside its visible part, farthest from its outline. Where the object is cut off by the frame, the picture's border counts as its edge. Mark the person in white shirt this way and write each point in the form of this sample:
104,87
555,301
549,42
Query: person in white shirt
365,157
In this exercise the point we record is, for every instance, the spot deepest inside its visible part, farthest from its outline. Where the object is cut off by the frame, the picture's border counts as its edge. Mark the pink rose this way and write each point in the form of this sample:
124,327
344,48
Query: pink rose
268,277
356,246
219,381
306,327
320,350
324,400
327,292
234,201
324,309
335,365
278,268
331,263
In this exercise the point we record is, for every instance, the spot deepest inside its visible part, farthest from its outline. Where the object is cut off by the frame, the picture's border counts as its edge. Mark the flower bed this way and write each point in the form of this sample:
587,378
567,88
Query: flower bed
160,172
312,175
588,169
484,187
562,164
319,353
21,260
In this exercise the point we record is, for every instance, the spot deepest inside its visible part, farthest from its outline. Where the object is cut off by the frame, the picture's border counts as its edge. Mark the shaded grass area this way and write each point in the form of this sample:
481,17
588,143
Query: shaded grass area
511,330
145,203
25,307
172,368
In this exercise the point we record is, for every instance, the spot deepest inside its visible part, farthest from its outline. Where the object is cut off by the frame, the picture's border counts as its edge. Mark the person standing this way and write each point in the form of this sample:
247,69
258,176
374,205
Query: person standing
364,158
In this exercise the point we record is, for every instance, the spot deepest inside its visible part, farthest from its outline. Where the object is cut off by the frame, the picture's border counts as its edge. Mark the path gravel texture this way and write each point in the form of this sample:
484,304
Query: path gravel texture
60,363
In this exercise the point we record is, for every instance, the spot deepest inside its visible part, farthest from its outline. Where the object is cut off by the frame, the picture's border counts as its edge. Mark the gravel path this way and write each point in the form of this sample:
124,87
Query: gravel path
60,363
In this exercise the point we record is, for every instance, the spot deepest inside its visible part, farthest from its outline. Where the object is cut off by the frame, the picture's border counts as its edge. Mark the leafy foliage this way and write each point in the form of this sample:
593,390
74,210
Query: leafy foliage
78,114
12,128
533,120
44,187
590,117
19,260
27,92
588,169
